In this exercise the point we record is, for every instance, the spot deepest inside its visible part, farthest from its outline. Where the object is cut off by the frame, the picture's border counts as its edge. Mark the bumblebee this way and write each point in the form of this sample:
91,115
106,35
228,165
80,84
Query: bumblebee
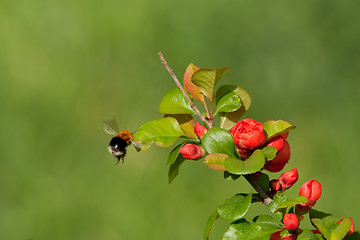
119,142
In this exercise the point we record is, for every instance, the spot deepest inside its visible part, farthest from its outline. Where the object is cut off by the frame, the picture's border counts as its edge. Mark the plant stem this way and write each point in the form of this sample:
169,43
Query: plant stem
207,110
163,61
257,187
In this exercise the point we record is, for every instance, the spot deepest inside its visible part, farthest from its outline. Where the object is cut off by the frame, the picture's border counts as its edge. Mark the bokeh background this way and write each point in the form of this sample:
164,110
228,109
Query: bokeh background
66,66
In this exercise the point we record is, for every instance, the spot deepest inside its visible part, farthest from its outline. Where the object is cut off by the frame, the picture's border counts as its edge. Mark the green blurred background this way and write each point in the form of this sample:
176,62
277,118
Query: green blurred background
65,66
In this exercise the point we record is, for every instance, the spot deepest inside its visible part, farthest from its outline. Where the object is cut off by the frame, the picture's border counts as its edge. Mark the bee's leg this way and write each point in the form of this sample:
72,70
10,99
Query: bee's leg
118,160
123,156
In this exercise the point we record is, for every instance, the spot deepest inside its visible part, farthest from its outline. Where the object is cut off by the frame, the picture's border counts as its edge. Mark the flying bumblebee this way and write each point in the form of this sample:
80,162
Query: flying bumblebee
119,142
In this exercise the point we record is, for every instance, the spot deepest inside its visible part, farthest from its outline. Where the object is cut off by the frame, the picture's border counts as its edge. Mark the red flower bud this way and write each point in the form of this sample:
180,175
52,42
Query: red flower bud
248,134
276,142
277,236
311,190
282,158
275,185
289,178
200,130
291,221
192,151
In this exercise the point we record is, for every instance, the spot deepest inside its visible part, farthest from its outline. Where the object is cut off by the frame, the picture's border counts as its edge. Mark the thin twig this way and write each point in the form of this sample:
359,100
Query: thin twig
207,110
257,187
163,61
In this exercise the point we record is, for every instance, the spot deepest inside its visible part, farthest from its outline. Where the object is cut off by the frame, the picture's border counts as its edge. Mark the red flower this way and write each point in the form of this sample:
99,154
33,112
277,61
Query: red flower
200,130
291,221
289,178
248,134
282,158
192,151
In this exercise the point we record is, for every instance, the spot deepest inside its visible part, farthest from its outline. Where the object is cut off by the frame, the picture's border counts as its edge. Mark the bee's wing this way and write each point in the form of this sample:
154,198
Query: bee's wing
111,127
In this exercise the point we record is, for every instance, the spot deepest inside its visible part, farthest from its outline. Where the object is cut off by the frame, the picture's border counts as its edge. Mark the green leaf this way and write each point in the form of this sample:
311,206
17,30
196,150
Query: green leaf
331,228
174,168
173,155
285,232
186,122
264,182
307,235
269,152
257,198
236,207
293,202
317,214
206,80
230,102
227,120
278,199
354,236
175,160
217,140
253,164
230,176
266,219
163,132
174,102
215,161
243,230
274,128
210,223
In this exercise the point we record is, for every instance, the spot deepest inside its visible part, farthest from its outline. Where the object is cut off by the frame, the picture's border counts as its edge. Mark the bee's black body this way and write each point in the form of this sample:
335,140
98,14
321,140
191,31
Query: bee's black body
117,147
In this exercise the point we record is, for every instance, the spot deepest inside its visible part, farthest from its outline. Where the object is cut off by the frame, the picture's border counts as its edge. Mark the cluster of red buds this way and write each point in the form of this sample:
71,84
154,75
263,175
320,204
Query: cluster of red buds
311,189
248,136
